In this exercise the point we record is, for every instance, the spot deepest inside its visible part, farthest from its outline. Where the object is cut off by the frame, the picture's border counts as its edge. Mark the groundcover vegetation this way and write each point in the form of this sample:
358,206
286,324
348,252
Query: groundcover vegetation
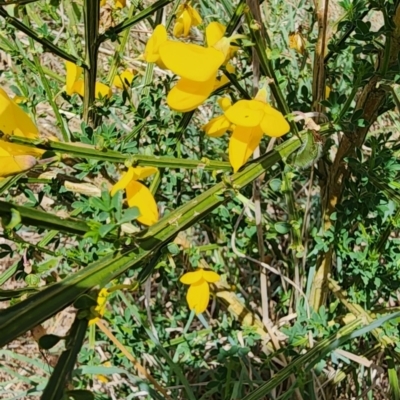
199,199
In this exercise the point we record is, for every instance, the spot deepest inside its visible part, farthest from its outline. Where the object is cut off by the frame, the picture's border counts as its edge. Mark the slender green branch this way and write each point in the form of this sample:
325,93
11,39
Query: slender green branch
47,45
117,55
91,11
41,306
17,2
116,157
55,388
268,69
42,219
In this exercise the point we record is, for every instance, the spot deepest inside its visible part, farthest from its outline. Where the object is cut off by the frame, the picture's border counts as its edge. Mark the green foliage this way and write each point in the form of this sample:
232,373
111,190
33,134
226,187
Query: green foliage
318,211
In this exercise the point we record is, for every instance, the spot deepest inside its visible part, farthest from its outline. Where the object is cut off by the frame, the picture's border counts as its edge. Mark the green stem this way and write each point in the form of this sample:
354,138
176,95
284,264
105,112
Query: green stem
91,11
117,56
47,45
268,69
129,22
41,306
42,219
116,157
56,386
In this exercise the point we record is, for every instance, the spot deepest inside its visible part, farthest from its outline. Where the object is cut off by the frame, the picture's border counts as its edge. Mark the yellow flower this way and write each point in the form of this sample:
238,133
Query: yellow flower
124,79
152,49
137,194
191,61
17,161
327,91
14,120
117,3
198,294
99,310
217,126
186,17
76,85
252,118
197,66
215,32
297,42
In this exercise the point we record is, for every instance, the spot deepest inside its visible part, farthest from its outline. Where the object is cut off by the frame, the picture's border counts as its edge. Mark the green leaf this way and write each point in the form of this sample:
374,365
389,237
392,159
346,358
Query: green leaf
282,227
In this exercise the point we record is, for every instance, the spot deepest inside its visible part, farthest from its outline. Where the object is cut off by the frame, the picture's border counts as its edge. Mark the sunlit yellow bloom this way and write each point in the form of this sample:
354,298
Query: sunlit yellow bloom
16,158
99,310
120,3
76,85
197,66
215,32
297,42
124,79
186,17
252,118
14,120
198,294
327,92
191,61
74,72
137,194
187,95
217,126
17,161
152,49
117,3
104,378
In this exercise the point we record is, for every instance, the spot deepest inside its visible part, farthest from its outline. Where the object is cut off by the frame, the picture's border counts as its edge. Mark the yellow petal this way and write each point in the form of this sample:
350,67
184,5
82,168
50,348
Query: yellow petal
224,103
242,144
274,124
198,296
123,80
217,126
187,95
125,179
139,196
327,91
102,90
186,23
261,95
247,113
142,172
191,61
120,3
192,277
78,87
215,31
14,149
178,28
102,3
73,74
297,42
100,309
14,120
12,165
159,37
211,276
194,15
